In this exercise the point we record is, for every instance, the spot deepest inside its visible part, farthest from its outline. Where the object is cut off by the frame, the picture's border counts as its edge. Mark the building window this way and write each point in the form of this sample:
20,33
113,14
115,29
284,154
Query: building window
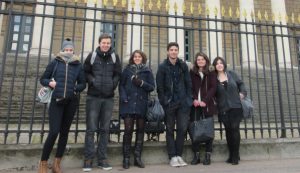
21,34
110,29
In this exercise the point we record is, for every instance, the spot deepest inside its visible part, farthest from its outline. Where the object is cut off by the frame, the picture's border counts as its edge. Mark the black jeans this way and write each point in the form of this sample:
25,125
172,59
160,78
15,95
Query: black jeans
61,115
179,116
231,120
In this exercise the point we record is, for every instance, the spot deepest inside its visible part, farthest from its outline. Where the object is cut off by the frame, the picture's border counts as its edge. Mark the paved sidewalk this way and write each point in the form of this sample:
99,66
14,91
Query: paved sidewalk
260,166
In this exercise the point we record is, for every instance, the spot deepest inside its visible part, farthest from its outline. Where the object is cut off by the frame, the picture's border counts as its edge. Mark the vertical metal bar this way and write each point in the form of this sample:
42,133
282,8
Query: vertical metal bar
64,23
131,33
283,129
217,39
23,88
176,29
224,39
286,80
150,38
256,75
122,37
208,28
200,36
249,72
265,81
232,46
141,31
272,81
158,39
94,26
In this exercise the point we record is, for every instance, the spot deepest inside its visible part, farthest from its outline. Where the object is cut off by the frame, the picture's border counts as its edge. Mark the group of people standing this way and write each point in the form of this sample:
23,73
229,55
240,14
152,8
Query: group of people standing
185,95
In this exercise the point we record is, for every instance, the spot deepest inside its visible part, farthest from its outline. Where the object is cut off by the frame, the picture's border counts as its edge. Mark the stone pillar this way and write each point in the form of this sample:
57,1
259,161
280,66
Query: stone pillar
249,49
1,19
135,33
283,46
176,35
47,30
214,39
90,34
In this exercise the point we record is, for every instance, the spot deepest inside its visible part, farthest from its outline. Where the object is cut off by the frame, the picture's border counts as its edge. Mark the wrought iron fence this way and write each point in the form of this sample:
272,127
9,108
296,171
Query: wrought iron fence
264,52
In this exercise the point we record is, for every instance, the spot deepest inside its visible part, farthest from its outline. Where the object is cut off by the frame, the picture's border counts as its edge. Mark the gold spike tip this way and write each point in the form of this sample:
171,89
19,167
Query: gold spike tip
207,11
104,3
237,12
273,17
123,3
266,15
167,6
199,9
132,2
141,4
279,17
158,4
230,12
216,11
286,18
244,13
183,8
293,18
192,8
223,11
115,2
252,14
259,15
299,18
175,7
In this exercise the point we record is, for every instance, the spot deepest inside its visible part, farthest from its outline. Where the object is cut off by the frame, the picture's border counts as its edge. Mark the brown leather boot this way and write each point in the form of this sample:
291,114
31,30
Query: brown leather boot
43,167
56,165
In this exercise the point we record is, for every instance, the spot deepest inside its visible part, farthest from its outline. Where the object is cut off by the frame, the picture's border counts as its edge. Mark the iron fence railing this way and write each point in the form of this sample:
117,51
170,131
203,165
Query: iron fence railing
265,53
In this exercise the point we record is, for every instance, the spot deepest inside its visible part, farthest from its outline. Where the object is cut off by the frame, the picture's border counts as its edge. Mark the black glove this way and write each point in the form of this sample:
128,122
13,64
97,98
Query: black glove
136,81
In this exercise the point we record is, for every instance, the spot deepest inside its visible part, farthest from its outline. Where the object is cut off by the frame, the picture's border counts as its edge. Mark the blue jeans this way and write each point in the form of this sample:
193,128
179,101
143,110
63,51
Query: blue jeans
98,116
179,116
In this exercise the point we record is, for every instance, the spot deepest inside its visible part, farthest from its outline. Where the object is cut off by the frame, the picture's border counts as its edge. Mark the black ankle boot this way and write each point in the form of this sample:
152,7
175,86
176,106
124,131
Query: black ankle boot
196,158
126,163
207,159
138,162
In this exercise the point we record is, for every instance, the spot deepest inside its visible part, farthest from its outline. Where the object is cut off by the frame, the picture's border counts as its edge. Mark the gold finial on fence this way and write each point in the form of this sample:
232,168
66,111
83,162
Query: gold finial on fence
158,4
266,15
223,11
279,17
293,18
75,1
141,4
104,3
199,9
244,13
216,11
230,12
150,5
132,3
192,8
299,18
183,7
95,2
207,10
175,7
167,5
115,2
123,3
286,18
259,15
237,12
252,14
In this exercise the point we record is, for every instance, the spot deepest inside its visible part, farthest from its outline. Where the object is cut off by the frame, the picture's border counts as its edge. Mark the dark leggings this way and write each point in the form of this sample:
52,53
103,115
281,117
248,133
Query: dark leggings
231,121
129,125
60,119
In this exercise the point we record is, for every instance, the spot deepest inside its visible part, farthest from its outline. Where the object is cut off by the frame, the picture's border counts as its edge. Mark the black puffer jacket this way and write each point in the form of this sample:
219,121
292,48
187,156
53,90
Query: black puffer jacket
104,75
164,84
69,77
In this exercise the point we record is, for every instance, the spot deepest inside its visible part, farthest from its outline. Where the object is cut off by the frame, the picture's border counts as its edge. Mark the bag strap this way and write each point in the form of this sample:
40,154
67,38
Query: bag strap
94,54
54,70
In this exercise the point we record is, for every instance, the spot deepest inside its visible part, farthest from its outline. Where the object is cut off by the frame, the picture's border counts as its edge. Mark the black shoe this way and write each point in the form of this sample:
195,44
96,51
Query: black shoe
104,165
196,158
206,159
126,163
235,162
229,160
138,162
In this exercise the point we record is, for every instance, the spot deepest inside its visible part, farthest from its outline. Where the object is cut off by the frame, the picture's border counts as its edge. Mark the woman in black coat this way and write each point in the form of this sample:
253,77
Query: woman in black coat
136,83
67,80
230,91
204,84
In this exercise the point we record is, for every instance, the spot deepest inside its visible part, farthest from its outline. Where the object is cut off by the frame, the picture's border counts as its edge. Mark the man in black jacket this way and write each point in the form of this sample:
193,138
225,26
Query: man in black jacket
102,70
174,89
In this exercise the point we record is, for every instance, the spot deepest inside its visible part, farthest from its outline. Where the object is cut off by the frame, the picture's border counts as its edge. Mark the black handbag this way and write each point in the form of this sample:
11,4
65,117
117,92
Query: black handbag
202,130
155,112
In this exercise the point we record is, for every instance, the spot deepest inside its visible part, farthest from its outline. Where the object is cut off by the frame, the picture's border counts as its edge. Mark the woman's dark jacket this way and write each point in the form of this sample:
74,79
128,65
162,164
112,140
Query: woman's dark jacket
227,95
103,75
69,77
164,84
134,99
208,87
